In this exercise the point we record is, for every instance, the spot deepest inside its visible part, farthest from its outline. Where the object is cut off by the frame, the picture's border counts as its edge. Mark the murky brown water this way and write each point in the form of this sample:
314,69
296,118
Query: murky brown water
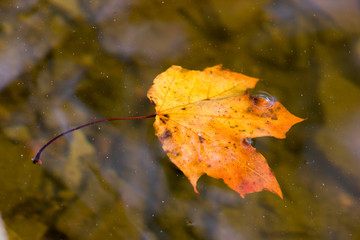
65,63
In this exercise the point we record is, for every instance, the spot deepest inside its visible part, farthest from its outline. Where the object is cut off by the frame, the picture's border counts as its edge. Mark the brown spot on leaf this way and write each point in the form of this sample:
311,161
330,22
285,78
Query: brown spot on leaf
265,115
166,134
201,139
163,120
176,154
256,101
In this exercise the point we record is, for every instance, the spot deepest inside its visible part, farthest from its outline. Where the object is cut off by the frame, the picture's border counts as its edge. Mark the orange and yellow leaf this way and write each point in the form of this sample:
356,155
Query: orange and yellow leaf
204,119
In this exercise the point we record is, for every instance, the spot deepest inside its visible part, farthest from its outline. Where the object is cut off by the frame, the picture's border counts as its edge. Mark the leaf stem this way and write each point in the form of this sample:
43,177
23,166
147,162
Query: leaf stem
37,157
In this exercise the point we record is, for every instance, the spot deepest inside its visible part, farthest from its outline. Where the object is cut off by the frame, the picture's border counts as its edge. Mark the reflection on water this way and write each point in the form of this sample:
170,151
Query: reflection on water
63,64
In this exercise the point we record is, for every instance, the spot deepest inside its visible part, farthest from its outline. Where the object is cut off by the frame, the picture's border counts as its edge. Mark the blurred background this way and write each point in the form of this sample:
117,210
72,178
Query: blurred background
65,63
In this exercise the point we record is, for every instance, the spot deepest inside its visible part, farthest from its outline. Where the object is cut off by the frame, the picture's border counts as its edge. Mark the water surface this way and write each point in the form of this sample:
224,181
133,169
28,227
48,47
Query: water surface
63,64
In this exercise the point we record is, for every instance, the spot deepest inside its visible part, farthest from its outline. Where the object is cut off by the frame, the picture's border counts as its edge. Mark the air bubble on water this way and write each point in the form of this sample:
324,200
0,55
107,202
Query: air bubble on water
249,141
270,99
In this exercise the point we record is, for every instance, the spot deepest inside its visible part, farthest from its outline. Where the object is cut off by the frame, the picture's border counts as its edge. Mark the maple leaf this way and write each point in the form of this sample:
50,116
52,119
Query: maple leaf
203,120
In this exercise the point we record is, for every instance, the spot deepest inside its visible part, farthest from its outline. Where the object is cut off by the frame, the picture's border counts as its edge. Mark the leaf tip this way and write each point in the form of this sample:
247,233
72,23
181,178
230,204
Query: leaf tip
276,189
279,193
193,180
